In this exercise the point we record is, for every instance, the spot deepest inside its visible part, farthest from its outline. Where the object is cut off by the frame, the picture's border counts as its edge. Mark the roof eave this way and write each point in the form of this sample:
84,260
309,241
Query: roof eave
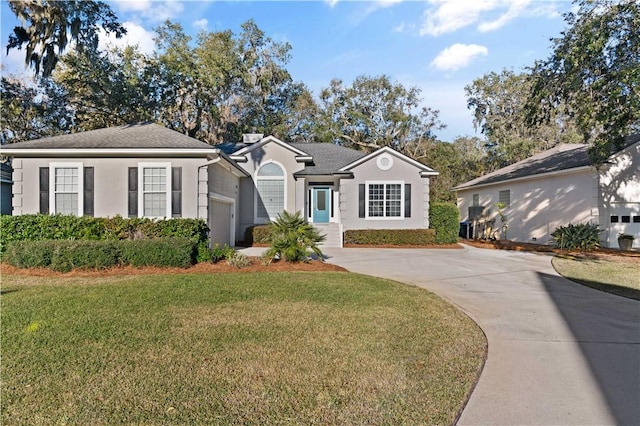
523,178
107,152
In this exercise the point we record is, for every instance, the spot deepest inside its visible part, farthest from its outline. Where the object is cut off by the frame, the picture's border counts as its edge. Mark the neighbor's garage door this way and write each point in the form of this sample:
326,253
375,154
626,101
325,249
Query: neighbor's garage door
625,219
220,222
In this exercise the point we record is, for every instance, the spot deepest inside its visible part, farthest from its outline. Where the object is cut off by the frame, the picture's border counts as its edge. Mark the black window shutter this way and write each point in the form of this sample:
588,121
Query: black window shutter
176,191
88,191
309,201
331,201
407,200
362,200
133,192
44,190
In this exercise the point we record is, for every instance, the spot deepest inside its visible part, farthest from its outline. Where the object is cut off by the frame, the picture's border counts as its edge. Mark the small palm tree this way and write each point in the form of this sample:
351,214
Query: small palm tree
293,239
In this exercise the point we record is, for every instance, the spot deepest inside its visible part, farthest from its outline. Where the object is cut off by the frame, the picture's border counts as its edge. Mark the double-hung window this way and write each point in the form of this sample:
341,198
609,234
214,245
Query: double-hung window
154,190
66,188
504,197
385,200
270,191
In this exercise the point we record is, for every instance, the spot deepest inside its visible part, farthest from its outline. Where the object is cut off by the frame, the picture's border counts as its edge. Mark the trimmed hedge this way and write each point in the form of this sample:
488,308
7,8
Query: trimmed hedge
65,255
257,234
396,237
444,218
65,227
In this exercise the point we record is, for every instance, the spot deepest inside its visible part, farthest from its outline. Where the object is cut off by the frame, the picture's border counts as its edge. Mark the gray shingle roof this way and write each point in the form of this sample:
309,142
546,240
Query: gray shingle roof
327,157
559,158
132,136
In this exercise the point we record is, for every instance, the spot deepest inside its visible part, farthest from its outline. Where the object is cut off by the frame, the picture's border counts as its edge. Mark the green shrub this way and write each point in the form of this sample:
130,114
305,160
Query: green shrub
583,236
292,238
238,260
396,237
29,254
444,218
163,252
257,234
66,227
214,254
70,254
62,255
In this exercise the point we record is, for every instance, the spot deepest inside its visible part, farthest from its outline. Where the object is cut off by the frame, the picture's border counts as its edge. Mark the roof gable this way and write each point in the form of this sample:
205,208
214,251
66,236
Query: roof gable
247,148
424,170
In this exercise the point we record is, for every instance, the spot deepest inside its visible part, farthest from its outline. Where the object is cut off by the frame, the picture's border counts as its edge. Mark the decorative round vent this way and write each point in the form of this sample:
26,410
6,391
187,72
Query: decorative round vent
384,161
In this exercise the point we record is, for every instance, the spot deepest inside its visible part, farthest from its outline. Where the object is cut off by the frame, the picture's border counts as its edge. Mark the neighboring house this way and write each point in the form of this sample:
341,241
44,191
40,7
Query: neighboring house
557,187
146,170
5,188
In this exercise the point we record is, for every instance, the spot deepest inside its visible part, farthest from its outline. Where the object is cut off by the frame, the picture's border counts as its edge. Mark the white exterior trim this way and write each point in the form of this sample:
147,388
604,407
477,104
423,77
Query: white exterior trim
52,185
304,156
425,171
383,182
256,198
107,152
141,167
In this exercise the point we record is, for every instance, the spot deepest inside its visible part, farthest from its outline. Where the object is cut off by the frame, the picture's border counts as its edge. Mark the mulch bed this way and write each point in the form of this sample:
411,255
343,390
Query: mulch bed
201,268
599,253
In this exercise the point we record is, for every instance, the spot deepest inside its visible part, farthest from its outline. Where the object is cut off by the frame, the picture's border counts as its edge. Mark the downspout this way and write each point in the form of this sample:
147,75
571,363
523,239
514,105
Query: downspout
207,164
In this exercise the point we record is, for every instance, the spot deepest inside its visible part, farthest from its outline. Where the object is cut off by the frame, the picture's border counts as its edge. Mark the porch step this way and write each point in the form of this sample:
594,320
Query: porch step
332,231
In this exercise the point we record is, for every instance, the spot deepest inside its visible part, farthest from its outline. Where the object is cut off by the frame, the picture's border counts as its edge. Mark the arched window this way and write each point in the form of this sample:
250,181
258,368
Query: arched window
270,191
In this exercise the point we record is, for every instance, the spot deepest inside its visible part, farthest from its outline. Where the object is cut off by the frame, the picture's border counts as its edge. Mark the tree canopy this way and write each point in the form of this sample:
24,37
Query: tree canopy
593,74
48,26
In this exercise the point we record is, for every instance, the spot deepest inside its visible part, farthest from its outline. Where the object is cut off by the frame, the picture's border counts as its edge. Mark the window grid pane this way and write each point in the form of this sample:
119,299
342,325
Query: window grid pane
385,200
66,203
271,194
66,179
154,191
505,197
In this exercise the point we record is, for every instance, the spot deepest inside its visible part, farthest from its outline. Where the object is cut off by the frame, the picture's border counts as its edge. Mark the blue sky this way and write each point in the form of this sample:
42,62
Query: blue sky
437,45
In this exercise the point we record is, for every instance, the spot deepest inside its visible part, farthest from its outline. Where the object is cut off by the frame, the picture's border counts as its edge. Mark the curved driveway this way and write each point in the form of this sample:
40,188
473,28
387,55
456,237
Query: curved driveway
559,353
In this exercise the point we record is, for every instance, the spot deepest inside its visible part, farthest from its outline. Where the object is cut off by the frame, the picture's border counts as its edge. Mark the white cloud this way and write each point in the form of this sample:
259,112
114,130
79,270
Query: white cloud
201,24
400,28
447,16
516,9
387,3
156,11
13,63
136,35
331,3
458,56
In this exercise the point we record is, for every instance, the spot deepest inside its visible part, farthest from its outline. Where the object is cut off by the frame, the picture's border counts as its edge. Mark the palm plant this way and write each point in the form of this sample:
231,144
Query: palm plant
293,239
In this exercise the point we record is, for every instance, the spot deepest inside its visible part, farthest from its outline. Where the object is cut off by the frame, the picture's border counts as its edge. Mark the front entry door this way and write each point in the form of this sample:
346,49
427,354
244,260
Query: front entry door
321,205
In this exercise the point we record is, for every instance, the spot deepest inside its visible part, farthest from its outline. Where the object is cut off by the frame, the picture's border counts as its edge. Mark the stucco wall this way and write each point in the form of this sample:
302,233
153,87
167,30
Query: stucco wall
539,206
620,195
266,153
400,170
110,183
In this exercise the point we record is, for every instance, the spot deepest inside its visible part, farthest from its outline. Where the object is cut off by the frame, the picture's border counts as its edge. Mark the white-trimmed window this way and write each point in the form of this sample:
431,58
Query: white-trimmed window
476,200
154,190
270,191
66,188
385,200
504,197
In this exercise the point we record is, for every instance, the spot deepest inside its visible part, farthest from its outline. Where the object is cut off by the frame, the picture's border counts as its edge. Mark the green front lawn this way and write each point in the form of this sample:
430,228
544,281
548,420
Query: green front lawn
617,275
254,348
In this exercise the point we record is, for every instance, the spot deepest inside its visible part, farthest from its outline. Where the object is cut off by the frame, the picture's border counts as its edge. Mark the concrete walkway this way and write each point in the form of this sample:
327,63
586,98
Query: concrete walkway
559,353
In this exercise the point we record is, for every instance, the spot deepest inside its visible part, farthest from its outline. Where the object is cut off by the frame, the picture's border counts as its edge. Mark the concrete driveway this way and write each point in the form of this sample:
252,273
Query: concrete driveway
559,353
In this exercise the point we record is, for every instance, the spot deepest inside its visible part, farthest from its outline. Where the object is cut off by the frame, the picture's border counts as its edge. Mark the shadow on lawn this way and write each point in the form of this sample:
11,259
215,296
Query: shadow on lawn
607,329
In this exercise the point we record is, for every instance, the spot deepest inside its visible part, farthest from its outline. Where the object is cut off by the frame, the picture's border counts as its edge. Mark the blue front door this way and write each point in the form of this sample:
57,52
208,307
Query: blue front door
321,205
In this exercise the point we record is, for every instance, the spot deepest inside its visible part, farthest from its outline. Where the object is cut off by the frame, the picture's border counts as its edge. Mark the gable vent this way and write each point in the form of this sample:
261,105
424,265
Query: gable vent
252,137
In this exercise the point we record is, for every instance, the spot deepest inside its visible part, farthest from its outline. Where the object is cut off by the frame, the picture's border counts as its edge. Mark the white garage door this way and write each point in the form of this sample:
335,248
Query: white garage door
625,219
220,222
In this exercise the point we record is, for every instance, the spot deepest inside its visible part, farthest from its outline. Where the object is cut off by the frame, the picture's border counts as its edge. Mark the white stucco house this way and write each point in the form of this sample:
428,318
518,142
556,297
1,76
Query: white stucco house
146,170
557,187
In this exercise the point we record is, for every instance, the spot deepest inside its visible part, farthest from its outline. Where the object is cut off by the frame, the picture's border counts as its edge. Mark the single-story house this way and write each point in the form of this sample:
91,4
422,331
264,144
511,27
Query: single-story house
146,170
558,187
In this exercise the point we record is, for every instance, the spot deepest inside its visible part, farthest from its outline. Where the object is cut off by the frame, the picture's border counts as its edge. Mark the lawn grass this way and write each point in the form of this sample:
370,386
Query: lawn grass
619,276
255,348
